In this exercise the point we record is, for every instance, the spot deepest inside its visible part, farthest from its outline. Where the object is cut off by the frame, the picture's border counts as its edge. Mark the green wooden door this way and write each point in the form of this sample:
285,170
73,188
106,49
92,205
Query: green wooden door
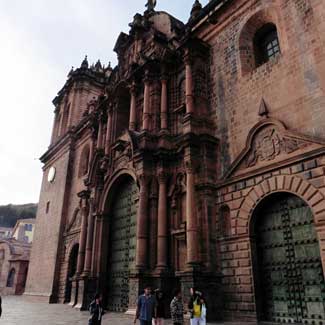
291,278
122,245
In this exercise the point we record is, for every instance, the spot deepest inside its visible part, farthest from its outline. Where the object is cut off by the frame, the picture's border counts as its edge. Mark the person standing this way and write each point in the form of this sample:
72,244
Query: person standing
160,308
96,311
194,306
203,319
177,308
145,307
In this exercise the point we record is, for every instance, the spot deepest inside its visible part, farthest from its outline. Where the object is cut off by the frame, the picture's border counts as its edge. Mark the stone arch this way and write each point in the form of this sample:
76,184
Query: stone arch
313,197
114,180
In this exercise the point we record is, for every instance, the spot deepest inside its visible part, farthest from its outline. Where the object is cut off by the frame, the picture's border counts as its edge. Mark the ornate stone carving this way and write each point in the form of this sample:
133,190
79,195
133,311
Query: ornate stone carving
270,143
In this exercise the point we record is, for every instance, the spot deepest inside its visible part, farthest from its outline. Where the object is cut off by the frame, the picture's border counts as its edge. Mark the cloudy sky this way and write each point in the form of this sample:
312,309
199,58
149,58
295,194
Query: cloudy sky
40,41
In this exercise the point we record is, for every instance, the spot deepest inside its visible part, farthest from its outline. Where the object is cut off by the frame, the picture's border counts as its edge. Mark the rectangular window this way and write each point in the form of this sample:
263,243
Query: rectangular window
47,206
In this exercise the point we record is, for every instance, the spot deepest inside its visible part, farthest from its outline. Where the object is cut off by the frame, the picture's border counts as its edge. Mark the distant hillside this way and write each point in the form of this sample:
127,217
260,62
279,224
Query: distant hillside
10,213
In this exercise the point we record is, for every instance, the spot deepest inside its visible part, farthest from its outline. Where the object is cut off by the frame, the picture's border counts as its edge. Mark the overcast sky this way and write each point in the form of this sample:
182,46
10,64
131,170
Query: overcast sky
40,41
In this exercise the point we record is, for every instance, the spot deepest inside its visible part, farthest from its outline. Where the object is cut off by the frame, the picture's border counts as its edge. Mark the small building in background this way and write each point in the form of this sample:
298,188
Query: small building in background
5,232
24,230
15,247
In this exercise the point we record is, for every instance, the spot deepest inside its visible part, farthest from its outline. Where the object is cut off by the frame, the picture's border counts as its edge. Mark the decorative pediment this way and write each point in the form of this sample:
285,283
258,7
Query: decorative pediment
75,222
269,142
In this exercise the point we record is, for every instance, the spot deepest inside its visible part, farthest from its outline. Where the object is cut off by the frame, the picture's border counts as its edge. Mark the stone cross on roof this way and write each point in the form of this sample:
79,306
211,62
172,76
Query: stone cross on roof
151,4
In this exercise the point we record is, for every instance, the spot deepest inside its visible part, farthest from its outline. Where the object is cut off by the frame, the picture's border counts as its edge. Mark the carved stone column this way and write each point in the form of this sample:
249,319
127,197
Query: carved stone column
55,126
61,121
188,84
142,225
192,232
163,104
162,237
84,195
90,236
146,104
100,133
108,130
133,113
95,249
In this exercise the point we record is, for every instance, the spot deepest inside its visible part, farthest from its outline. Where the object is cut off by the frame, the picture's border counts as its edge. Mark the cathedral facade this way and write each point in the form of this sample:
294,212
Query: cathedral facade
199,160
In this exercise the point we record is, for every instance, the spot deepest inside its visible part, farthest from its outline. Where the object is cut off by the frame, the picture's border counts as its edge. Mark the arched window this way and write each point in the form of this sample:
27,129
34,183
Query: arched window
84,161
266,44
259,40
11,278
224,221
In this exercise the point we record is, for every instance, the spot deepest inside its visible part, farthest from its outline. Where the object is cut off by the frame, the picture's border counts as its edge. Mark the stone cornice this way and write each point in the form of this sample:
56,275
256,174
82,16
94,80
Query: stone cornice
207,14
67,140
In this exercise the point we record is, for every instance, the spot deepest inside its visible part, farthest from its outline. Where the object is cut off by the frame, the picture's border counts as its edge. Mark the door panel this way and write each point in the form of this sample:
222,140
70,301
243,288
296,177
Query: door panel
122,245
290,270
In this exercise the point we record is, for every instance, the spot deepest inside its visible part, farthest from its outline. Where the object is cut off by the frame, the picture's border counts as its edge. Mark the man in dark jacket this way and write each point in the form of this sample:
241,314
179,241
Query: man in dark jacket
96,311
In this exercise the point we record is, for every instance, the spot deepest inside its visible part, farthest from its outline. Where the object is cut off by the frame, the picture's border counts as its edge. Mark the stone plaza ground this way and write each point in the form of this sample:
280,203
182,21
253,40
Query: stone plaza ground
20,310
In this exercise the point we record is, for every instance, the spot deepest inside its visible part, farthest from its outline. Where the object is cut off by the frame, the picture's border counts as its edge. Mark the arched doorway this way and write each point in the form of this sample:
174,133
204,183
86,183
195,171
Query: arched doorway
122,243
72,268
290,284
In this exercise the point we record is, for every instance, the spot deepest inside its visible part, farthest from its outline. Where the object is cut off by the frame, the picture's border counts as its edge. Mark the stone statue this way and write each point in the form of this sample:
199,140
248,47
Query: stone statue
151,4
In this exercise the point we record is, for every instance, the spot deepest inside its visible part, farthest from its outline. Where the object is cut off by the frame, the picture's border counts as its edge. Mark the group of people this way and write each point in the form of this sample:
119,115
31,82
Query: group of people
151,308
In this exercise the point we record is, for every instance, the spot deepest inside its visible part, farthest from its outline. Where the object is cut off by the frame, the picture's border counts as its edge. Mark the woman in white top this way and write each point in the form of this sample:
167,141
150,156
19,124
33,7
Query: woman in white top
203,319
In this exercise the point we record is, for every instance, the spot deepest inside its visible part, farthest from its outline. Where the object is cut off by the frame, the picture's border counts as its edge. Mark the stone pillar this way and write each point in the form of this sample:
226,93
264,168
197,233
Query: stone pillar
55,126
163,104
89,243
83,234
162,237
142,226
192,232
146,104
133,113
100,134
95,248
102,225
74,293
188,84
61,121
108,130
